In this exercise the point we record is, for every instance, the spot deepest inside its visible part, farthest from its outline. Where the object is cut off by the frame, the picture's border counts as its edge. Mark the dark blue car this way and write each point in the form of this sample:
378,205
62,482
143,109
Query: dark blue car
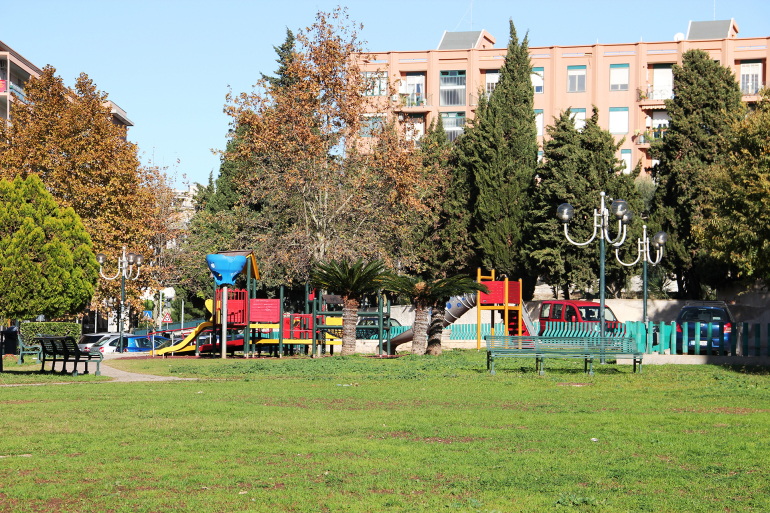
713,313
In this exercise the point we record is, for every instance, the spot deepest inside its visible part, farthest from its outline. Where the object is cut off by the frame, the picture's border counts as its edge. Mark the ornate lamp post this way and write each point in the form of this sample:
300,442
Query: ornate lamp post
624,215
643,246
125,270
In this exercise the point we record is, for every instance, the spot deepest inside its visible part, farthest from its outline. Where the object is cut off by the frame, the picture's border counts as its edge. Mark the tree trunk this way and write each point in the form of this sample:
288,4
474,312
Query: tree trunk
434,332
420,340
349,320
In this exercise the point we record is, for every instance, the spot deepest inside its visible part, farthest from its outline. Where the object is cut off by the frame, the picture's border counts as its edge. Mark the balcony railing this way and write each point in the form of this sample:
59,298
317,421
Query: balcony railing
648,136
413,100
652,93
751,89
14,88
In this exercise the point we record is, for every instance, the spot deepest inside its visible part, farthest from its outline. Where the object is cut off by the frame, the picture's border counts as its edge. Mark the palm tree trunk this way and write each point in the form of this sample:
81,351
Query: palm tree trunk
434,331
420,340
349,319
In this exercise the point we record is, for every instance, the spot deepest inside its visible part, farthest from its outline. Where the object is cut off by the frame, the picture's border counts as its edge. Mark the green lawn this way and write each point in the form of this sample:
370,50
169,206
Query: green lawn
409,434
29,373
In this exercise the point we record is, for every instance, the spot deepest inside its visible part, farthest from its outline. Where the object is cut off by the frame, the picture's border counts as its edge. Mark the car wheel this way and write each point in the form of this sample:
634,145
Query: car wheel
125,350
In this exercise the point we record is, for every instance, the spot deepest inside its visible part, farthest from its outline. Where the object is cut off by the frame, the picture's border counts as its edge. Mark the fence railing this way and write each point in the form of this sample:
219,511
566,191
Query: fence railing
171,326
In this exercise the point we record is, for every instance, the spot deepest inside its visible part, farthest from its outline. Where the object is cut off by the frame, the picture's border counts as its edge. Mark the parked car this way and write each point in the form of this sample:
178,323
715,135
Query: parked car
143,343
705,312
367,327
575,312
89,340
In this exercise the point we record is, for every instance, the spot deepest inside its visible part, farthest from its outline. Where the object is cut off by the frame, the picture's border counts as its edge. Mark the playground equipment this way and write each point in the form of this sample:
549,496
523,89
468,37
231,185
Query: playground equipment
505,297
512,310
264,323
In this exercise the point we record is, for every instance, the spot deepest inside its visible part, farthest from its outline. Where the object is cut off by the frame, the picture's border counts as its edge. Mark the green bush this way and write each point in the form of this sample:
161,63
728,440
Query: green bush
29,330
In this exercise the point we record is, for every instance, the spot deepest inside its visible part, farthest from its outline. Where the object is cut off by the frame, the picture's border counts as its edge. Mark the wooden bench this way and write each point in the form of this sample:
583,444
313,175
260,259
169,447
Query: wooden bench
540,348
66,348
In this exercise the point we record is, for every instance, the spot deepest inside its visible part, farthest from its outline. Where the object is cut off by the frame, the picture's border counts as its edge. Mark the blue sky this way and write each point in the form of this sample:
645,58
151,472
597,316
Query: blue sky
169,63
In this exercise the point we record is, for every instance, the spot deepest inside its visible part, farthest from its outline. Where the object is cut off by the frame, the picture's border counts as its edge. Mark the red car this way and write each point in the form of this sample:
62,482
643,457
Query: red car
573,311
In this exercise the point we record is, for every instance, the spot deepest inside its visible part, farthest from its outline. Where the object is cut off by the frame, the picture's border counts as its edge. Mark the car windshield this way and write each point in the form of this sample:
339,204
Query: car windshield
91,339
703,315
591,313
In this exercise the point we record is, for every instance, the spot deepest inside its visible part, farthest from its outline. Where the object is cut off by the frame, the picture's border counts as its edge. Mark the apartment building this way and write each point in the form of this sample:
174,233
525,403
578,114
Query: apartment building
628,82
15,70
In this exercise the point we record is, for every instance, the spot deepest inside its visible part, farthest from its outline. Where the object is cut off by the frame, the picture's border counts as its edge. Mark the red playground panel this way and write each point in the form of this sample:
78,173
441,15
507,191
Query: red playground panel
265,310
497,293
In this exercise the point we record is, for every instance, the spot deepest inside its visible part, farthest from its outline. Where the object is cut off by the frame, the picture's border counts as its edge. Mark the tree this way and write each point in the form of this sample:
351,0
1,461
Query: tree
351,282
577,166
734,227
327,189
427,294
441,244
499,153
706,103
47,263
285,57
67,138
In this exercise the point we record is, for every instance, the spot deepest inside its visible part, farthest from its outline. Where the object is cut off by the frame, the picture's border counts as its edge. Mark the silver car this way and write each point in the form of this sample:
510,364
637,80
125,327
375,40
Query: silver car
89,340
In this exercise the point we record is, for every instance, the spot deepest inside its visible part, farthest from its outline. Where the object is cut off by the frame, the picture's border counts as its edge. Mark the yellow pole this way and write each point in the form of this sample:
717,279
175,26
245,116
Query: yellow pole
478,311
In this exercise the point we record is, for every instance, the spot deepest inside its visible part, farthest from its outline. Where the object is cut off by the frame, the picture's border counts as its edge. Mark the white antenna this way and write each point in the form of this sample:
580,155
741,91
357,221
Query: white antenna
470,8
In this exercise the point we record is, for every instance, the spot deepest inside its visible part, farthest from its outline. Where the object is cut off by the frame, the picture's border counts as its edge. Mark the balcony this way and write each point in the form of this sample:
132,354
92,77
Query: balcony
412,102
18,90
750,90
653,94
646,137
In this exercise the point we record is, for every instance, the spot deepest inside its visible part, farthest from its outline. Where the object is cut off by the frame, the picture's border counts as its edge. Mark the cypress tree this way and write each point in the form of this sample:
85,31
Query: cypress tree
577,165
285,57
499,154
47,264
707,101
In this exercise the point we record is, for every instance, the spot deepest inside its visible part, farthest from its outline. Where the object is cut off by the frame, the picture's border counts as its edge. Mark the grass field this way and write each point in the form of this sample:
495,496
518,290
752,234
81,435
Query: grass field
408,434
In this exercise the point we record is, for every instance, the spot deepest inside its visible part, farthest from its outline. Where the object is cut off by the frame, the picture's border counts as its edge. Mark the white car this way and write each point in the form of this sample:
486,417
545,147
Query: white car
89,340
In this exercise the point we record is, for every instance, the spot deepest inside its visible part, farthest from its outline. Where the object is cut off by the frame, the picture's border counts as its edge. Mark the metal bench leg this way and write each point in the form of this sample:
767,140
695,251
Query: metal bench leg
542,366
492,371
98,372
591,369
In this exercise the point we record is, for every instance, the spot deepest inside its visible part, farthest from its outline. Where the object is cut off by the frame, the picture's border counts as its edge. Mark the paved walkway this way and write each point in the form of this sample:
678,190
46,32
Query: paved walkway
120,376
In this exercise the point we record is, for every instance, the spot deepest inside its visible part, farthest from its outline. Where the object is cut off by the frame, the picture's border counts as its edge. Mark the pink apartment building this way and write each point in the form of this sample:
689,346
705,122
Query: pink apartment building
15,70
628,82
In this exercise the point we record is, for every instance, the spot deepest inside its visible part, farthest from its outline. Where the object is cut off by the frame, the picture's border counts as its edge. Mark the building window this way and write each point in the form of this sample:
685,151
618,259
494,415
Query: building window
452,88
662,82
371,124
412,90
618,77
578,117
659,124
539,121
618,120
538,80
576,79
416,127
491,79
625,156
376,83
750,73
453,124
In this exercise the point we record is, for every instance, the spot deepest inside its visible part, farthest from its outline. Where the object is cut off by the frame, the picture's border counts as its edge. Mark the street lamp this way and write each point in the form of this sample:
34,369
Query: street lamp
624,215
125,269
643,246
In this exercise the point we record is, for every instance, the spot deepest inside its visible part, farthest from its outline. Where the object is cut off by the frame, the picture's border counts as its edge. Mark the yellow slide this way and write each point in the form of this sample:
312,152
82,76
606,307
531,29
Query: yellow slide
182,346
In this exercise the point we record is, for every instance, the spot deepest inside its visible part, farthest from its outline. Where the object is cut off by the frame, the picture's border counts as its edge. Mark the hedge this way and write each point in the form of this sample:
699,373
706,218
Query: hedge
30,330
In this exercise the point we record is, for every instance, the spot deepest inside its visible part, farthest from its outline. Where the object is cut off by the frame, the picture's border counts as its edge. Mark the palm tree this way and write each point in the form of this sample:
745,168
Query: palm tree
351,283
426,294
